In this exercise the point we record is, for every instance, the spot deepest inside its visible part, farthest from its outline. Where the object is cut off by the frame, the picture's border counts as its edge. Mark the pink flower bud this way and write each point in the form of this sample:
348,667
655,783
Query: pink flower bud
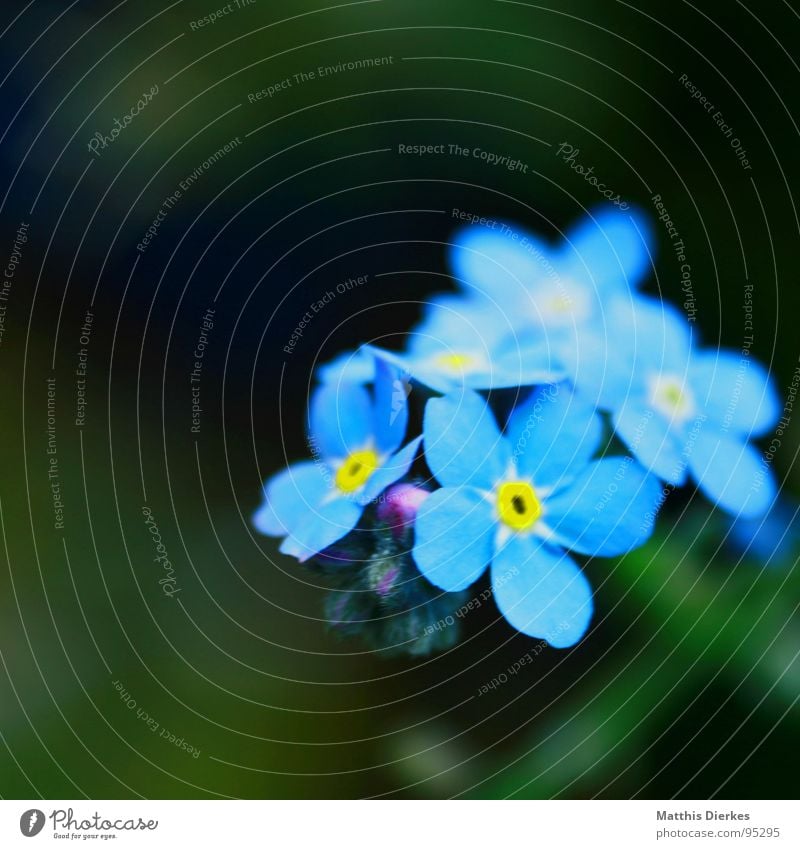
399,504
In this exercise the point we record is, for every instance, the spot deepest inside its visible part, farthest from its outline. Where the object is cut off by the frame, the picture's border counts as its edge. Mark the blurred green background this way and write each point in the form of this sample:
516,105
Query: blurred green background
688,683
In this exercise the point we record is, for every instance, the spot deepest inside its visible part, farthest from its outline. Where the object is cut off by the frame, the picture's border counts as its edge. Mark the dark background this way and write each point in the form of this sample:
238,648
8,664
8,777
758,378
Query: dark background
687,684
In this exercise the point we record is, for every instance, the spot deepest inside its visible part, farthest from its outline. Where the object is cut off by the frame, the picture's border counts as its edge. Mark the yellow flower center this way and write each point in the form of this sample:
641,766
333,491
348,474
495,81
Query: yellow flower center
455,361
517,504
356,470
671,399
673,395
561,304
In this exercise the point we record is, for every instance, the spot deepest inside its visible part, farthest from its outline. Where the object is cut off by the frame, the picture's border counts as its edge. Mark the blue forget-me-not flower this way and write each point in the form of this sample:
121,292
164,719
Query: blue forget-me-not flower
681,410
459,343
354,436
558,289
520,500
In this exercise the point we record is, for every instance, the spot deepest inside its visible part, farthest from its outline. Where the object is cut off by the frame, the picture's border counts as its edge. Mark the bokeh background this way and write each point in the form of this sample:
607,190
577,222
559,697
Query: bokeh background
688,683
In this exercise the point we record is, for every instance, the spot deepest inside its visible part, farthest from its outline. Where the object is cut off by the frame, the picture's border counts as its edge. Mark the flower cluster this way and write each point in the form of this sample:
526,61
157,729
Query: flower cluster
560,406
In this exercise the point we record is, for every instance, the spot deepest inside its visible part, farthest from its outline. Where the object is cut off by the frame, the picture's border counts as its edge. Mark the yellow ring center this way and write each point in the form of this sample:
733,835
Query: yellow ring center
517,505
672,399
356,470
561,304
455,361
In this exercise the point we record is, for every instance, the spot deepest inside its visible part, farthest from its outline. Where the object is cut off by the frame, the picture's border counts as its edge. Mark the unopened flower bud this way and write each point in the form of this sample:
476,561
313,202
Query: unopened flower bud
399,506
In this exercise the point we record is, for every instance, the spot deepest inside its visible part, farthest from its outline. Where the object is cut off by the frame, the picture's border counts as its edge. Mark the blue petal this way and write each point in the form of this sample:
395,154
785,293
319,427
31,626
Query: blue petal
662,338
656,445
321,528
541,591
454,532
290,496
633,341
423,371
350,367
552,433
736,391
486,260
392,470
772,538
513,364
390,410
340,419
639,339
497,341
523,360
420,370
732,474
610,246
607,510
454,323
462,442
